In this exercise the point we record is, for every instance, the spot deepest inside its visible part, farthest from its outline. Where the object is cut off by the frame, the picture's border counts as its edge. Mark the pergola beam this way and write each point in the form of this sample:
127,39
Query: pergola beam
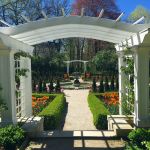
4,22
139,20
101,13
70,61
75,31
118,19
60,36
44,14
25,18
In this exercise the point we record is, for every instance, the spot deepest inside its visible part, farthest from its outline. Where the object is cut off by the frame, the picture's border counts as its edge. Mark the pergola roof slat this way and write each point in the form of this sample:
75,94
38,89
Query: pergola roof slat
88,27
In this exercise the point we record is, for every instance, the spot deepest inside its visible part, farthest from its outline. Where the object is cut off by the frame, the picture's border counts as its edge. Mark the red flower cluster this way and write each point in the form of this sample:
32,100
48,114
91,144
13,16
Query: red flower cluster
111,98
38,104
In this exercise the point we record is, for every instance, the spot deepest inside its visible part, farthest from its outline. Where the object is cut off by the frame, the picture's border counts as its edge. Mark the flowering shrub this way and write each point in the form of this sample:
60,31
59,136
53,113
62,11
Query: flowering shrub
39,102
111,101
111,98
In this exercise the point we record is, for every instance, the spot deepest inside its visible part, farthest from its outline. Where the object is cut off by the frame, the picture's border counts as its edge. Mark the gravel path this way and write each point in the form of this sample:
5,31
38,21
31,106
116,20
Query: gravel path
79,116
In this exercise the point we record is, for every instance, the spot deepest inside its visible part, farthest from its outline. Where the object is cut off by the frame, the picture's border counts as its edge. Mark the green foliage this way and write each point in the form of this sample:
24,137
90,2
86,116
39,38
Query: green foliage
129,68
94,87
146,144
99,112
21,54
106,62
21,72
40,106
3,106
139,12
39,95
140,138
53,113
11,136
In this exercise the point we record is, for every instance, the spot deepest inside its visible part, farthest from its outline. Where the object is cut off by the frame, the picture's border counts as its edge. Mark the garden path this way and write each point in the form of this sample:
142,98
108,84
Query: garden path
79,116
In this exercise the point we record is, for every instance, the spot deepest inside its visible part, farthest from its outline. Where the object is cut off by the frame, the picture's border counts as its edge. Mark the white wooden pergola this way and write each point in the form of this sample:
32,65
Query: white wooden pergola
24,36
72,61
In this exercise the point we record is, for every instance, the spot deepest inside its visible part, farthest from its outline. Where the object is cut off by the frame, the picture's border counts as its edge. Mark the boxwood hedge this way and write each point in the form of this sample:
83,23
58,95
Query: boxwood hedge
99,112
53,113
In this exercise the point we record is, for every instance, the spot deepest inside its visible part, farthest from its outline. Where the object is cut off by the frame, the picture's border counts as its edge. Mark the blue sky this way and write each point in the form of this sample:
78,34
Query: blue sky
127,6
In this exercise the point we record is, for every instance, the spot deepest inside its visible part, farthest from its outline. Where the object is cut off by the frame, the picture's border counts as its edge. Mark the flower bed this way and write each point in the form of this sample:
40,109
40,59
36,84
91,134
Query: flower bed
41,101
111,101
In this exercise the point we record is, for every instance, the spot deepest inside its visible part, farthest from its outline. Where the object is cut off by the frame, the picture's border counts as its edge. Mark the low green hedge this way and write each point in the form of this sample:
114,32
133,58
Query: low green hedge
38,95
53,112
99,112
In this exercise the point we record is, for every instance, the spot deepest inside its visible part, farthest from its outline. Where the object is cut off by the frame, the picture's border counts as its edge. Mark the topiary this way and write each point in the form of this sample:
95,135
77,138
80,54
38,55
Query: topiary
101,86
112,86
106,84
44,89
117,84
40,86
94,87
51,86
57,87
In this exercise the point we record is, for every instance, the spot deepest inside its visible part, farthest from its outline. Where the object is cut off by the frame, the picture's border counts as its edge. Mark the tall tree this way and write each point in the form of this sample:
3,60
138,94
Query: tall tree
93,8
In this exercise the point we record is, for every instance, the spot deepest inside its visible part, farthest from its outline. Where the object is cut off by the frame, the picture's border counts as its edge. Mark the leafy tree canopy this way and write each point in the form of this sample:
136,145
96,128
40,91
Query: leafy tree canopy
139,12
106,62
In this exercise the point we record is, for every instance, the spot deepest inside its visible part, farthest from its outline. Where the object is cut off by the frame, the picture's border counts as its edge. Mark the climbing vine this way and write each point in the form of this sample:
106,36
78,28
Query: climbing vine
128,70
21,53
20,71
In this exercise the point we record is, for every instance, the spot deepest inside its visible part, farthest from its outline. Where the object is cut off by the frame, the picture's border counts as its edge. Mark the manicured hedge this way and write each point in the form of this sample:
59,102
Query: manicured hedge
53,112
38,95
99,112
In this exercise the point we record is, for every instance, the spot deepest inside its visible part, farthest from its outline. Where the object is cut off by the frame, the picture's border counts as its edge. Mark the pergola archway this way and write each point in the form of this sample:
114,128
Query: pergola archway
22,37
71,61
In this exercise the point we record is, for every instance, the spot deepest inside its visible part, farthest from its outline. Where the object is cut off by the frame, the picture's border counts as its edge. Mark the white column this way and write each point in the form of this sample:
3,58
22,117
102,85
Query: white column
121,80
142,99
28,89
68,66
7,82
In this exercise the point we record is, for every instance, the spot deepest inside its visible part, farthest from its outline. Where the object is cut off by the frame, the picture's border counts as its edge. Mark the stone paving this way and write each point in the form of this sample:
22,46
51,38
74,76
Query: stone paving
75,144
79,116
78,133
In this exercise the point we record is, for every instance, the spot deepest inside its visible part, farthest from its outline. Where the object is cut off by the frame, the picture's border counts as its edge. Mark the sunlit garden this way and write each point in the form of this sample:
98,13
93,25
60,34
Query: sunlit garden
74,75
